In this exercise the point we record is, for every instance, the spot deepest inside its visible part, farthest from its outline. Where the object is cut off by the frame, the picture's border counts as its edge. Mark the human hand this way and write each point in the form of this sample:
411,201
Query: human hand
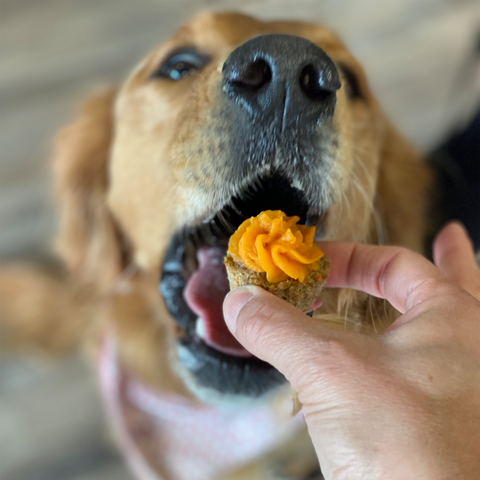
401,405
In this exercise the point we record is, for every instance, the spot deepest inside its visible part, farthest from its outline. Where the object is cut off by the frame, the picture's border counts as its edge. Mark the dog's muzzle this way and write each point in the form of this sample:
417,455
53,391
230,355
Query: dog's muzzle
278,144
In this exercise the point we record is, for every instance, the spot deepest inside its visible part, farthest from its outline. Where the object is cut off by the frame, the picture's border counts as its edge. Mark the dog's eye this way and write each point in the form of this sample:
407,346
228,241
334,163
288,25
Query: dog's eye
350,82
180,65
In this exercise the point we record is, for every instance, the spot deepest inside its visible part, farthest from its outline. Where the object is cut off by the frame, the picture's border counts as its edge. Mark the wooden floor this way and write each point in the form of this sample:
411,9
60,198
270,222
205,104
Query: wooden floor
52,52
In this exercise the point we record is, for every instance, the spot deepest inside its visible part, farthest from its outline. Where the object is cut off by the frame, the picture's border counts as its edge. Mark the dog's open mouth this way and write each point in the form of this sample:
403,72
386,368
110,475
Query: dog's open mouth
194,284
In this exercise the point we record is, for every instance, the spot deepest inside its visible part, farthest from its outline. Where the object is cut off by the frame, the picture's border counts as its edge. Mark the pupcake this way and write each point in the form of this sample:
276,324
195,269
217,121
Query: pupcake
274,252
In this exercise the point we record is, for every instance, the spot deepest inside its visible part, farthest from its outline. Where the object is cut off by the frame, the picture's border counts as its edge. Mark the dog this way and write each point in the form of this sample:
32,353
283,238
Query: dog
229,117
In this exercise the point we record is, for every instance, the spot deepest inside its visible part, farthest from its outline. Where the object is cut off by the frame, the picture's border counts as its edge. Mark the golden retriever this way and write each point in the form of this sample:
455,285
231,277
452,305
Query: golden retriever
229,117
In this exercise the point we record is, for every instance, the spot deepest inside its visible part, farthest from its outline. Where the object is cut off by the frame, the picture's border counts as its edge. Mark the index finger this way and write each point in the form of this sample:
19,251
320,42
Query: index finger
454,255
402,277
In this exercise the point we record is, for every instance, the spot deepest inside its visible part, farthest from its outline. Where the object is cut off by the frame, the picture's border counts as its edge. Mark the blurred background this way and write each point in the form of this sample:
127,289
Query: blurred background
423,61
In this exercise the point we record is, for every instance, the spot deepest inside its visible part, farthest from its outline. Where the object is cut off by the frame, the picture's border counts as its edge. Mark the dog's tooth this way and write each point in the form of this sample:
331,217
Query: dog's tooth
200,328
296,184
172,266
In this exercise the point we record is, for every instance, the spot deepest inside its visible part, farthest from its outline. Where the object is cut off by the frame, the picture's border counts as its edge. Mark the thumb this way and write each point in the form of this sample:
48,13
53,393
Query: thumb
279,333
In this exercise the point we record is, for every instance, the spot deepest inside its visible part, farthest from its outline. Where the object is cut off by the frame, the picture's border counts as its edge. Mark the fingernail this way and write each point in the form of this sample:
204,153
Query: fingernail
458,223
233,303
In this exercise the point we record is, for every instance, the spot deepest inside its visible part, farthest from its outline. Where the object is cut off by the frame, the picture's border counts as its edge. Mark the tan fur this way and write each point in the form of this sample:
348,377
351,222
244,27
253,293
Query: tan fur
43,311
88,240
128,172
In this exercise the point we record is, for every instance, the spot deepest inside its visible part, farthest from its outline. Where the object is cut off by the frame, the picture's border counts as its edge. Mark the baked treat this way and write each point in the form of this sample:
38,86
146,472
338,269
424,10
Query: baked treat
272,251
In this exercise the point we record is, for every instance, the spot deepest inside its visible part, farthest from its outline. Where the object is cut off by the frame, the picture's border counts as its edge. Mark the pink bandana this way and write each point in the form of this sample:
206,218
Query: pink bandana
168,437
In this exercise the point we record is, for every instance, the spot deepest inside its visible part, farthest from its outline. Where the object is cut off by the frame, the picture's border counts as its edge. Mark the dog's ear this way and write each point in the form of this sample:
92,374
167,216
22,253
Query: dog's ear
404,185
88,238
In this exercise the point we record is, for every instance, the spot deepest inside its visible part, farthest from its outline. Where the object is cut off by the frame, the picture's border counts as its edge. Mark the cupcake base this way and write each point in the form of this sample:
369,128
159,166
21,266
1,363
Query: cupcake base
301,295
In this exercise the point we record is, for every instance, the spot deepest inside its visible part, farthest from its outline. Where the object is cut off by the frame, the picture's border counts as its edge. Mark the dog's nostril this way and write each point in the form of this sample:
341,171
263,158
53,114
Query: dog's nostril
311,83
281,75
252,76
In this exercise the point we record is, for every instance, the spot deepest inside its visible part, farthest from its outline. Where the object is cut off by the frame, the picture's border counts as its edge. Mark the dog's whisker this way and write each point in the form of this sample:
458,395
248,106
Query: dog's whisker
378,223
195,236
185,168
225,222
345,318
368,201
215,229
184,236
358,161
358,186
371,308
344,200
335,318
380,228
235,208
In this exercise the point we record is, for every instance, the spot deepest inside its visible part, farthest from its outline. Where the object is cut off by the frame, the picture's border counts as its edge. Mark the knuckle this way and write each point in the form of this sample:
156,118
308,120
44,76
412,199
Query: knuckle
402,256
256,321
334,355
337,361
471,285
389,269
337,350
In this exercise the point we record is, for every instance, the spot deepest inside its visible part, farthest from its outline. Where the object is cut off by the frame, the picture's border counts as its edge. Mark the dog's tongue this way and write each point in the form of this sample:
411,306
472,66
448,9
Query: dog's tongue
204,294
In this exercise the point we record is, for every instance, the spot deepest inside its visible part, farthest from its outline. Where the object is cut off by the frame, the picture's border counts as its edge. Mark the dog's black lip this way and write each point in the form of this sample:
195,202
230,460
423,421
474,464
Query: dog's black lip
228,374
213,369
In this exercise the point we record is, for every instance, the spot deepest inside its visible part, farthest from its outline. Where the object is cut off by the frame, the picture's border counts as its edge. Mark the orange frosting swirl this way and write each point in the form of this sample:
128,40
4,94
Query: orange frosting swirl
273,243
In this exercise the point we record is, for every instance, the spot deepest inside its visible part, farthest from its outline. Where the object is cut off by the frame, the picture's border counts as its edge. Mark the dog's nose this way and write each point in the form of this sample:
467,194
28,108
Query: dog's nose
282,75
